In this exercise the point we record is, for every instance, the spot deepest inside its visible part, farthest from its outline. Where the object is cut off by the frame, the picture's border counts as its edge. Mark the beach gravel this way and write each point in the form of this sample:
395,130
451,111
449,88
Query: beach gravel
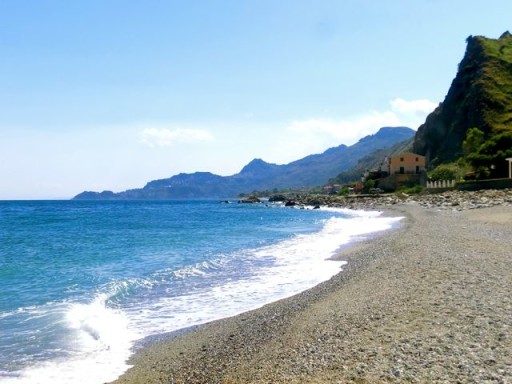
430,302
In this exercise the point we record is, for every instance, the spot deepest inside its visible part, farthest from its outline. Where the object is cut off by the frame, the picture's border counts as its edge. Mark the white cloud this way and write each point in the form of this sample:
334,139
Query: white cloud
420,107
305,137
62,164
412,113
164,137
346,131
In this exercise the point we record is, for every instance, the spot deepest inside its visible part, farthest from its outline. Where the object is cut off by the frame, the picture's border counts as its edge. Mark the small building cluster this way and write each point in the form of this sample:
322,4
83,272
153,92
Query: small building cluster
407,163
405,169
409,170
331,189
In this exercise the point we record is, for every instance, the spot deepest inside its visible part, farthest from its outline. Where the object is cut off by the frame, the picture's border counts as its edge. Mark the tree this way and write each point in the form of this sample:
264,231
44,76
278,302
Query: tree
474,140
368,184
489,158
445,172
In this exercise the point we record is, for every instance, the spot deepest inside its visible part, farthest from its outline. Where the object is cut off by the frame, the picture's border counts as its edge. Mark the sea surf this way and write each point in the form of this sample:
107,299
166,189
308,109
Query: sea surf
83,282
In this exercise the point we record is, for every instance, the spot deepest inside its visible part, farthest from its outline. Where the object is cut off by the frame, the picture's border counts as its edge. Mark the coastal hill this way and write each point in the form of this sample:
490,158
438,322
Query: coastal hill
479,97
309,171
372,161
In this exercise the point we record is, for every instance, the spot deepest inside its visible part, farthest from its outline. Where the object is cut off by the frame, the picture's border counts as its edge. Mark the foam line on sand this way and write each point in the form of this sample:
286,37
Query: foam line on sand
428,302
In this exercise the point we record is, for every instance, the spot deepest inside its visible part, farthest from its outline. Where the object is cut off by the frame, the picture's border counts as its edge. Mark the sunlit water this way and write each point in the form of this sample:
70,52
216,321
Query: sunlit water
82,282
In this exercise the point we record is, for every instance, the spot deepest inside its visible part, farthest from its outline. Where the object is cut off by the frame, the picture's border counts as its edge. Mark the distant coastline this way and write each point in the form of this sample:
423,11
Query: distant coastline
311,171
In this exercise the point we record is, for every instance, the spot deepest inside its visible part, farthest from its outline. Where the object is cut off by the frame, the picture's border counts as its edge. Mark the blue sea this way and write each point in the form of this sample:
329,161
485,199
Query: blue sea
82,283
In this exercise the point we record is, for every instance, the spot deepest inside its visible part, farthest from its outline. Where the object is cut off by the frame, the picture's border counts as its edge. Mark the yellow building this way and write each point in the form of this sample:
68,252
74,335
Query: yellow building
407,163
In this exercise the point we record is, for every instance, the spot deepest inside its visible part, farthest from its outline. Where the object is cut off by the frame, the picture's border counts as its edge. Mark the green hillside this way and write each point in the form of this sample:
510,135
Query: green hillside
496,82
480,97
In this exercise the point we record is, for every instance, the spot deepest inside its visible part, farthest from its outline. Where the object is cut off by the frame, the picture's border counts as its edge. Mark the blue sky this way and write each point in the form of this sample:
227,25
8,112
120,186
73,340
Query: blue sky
99,95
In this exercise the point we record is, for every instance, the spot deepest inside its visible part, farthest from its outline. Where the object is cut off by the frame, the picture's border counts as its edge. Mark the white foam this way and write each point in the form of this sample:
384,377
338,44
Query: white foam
98,327
103,337
99,344
297,264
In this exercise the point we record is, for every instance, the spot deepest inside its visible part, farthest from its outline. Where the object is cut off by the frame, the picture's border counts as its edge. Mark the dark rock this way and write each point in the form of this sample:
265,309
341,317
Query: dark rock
277,198
250,200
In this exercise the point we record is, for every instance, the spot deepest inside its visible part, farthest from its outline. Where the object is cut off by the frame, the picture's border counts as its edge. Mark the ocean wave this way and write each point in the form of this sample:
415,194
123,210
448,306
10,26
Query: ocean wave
96,347
94,333
253,277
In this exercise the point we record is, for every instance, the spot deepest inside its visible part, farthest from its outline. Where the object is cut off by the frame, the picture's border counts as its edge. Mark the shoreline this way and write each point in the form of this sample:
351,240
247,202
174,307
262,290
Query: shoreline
337,256
410,305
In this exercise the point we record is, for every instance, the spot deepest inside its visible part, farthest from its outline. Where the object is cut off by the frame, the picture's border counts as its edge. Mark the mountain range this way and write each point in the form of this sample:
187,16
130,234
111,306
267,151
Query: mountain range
471,127
372,161
259,175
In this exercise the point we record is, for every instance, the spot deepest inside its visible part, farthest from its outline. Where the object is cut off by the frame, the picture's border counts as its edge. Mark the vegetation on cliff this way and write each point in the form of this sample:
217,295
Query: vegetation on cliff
480,97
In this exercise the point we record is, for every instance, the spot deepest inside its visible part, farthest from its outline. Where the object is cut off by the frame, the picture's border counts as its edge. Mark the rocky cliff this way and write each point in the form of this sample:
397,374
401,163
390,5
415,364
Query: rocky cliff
480,96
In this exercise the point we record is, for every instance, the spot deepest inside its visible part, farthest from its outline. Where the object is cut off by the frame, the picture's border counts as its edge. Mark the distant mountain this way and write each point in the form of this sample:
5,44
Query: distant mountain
372,161
259,175
480,97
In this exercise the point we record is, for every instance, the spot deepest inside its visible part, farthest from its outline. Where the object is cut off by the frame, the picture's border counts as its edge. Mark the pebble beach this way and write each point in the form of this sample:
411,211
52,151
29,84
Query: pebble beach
429,302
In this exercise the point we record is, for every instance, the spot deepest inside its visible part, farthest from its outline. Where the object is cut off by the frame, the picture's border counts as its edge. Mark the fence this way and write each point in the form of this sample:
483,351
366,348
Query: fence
440,184
484,184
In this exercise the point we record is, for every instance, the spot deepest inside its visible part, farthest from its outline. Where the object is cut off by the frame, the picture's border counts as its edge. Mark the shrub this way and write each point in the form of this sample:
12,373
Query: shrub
344,191
368,184
411,190
450,171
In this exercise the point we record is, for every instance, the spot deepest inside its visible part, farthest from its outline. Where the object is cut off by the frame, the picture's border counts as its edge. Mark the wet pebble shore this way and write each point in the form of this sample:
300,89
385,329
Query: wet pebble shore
448,200
430,302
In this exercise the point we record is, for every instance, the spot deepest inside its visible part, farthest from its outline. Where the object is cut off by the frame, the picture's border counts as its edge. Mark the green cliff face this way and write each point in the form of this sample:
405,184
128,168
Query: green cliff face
480,96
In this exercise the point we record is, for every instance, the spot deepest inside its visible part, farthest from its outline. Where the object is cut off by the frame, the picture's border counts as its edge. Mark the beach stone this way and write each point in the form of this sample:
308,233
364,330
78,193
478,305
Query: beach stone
428,302
250,200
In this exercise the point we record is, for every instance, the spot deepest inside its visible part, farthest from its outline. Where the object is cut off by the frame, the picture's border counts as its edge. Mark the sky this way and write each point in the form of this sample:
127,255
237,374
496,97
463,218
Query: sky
111,94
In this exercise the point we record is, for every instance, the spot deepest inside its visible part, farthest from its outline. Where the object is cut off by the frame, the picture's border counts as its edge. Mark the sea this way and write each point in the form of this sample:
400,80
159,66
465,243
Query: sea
82,283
